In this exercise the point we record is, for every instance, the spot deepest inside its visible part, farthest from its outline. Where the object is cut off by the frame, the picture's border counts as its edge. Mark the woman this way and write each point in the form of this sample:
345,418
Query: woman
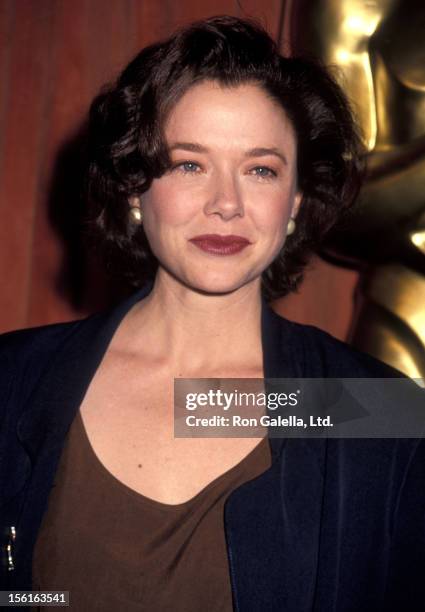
216,165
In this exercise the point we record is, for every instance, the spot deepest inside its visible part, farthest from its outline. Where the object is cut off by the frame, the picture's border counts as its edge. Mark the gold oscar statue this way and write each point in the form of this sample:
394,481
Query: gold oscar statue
378,50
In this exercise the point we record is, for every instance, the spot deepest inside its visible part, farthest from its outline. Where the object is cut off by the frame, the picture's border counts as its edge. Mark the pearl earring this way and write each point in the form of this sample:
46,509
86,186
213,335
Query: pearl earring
136,215
291,227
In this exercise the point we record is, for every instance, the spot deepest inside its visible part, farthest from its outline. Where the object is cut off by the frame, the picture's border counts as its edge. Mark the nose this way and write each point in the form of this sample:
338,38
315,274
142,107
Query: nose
225,197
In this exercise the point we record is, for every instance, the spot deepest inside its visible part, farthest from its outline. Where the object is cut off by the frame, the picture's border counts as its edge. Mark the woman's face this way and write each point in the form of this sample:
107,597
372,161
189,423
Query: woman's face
218,217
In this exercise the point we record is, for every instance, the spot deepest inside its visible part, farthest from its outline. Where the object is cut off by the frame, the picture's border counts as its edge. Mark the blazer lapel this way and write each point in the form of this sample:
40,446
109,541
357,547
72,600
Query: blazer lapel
273,522
57,397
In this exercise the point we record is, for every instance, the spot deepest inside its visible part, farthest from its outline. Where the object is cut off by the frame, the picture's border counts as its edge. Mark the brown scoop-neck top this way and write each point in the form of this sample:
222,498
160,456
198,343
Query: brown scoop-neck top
115,550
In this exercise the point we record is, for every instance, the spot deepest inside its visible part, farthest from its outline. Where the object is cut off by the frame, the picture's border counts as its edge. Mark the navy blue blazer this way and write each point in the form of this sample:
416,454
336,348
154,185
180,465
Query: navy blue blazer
334,524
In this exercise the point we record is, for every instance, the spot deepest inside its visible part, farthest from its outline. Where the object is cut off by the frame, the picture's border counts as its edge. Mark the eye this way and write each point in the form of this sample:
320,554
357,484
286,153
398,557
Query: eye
187,167
263,172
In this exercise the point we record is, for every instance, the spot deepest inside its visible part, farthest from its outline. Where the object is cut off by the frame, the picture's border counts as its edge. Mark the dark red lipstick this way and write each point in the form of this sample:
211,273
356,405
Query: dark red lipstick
220,245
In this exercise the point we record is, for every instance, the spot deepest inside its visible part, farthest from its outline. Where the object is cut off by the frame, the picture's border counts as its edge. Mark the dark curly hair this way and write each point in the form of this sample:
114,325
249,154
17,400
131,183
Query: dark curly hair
127,149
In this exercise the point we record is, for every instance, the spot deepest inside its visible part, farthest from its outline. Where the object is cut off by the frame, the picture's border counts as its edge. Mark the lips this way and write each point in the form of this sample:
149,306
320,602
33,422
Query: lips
217,244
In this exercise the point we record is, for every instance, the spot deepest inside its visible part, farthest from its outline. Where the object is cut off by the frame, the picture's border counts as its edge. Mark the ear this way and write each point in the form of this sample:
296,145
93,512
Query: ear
134,202
297,203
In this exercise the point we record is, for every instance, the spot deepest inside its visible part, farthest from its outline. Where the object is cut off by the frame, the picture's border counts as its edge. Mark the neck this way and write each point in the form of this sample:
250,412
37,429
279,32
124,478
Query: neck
199,334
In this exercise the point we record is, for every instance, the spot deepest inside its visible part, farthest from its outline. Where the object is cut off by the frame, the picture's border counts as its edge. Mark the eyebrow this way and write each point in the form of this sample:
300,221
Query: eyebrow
262,151
194,147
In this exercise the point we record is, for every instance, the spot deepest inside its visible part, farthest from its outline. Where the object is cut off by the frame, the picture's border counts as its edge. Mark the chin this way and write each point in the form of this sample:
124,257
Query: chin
216,286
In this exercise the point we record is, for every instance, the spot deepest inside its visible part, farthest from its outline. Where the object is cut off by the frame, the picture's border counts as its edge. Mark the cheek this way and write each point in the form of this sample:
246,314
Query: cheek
164,208
272,219
159,207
